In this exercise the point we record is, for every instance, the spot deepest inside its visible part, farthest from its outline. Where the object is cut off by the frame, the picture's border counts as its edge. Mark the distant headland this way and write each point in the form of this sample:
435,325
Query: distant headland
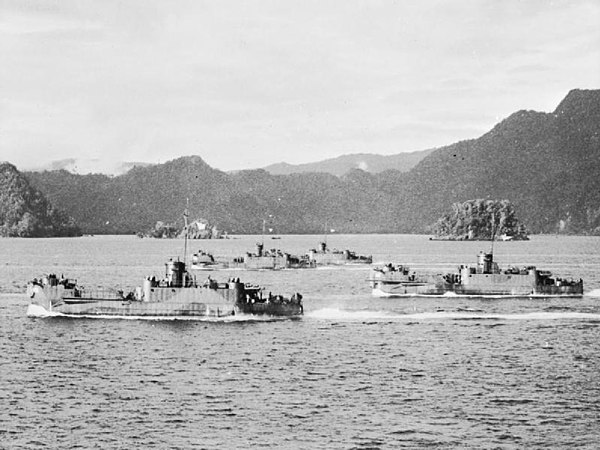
547,165
25,212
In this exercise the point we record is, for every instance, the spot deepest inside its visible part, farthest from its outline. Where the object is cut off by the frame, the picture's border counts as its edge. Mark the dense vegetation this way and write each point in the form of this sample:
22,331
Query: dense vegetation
480,220
546,165
24,212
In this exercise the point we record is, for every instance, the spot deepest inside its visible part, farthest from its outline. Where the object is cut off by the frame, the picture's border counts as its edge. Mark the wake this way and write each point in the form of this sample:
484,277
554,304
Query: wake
358,316
595,293
41,313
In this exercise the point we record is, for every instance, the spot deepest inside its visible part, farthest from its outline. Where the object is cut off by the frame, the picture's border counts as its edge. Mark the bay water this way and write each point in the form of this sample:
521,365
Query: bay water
355,372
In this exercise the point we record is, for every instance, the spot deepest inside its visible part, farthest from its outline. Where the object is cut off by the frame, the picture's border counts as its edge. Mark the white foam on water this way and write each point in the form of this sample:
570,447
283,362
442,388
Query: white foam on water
381,294
513,316
41,312
344,315
593,293
340,314
450,294
224,319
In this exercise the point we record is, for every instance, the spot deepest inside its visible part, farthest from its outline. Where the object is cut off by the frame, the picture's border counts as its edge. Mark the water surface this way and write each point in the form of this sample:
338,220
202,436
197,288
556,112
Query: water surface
354,372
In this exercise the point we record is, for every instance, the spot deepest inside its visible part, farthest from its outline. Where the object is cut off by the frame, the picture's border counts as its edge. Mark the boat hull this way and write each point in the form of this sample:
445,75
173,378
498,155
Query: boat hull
212,266
270,263
131,309
278,309
433,291
159,302
323,256
334,259
381,288
258,263
525,283
218,300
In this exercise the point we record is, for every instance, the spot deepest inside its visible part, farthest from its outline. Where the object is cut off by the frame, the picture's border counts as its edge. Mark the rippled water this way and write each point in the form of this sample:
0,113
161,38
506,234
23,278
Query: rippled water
354,372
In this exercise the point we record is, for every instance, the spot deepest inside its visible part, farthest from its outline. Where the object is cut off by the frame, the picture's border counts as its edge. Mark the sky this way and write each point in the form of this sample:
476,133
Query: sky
245,84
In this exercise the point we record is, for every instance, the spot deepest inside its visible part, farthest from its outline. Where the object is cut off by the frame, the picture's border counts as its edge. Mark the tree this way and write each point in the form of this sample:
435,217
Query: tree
480,220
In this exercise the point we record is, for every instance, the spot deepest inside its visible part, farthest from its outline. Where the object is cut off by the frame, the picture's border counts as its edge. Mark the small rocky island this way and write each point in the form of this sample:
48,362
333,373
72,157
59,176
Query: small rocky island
197,229
480,220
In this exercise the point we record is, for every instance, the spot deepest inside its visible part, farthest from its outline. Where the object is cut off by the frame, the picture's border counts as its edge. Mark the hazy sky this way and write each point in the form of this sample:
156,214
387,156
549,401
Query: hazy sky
248,83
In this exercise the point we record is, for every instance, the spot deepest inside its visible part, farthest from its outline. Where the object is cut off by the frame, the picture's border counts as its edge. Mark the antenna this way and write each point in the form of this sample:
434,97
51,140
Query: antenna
493,232
185,230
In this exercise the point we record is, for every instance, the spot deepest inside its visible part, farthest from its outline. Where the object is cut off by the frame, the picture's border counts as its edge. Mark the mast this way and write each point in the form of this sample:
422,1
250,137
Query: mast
493,232
185,230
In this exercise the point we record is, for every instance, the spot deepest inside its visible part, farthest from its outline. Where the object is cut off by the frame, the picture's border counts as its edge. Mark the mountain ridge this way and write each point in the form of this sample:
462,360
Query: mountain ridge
369,162
546,164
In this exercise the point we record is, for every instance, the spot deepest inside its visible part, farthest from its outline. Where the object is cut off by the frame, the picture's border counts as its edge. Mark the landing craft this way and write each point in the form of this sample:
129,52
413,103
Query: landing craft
273,259
178,294
484,280
325,257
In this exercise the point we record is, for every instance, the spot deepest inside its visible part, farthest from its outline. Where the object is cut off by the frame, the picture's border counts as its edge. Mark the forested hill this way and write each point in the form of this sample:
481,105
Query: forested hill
546,164
237,203
24,212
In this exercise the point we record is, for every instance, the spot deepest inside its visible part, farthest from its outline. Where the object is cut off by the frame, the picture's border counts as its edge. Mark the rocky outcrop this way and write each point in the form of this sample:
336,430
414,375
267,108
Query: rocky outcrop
480,220
202,229
25,212
197,229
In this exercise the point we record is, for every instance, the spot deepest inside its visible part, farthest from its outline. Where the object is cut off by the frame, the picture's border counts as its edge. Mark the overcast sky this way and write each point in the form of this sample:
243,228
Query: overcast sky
245,84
